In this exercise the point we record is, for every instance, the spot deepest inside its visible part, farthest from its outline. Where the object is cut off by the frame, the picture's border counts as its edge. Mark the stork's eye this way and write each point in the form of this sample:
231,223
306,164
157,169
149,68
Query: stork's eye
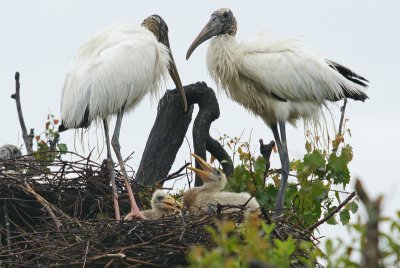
159,198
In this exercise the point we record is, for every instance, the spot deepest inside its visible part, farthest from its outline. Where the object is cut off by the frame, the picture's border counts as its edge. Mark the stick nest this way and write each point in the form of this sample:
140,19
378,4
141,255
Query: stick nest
59,214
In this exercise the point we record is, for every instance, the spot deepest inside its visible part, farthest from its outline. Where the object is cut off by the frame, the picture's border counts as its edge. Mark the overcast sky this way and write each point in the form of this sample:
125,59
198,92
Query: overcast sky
40,38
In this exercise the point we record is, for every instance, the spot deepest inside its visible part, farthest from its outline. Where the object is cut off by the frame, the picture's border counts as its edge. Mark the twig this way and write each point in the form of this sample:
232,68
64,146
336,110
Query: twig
44,203
333,212
342,109
16,96
7,223
173,175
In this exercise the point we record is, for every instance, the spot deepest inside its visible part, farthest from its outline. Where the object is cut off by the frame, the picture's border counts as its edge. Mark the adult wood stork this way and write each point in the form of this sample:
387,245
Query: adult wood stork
280,80
162,204
111,74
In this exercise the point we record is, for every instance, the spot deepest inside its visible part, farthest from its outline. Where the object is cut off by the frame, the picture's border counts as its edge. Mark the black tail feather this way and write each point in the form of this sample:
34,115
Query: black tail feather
84,124
353,77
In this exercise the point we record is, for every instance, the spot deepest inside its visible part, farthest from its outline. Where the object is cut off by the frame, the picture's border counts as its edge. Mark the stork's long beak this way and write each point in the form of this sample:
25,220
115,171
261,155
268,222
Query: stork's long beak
177,80
172,203
207,169
208,31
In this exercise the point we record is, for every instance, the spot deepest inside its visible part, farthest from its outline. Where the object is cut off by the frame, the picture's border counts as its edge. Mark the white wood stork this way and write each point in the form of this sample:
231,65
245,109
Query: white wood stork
111,74
9,151
202,198
162,204
280,80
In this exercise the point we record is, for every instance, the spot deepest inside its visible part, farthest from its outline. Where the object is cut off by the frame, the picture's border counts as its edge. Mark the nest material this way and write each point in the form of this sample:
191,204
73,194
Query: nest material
59,215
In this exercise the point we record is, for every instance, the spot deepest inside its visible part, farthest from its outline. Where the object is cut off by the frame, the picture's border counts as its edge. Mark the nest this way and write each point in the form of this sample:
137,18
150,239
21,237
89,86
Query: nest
59,214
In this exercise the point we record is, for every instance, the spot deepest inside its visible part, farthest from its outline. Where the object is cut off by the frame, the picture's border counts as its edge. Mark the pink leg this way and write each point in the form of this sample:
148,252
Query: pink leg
135,212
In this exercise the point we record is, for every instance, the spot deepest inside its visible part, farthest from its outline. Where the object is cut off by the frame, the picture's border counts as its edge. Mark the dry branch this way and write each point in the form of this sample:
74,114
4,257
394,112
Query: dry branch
169,130
28,138
371,252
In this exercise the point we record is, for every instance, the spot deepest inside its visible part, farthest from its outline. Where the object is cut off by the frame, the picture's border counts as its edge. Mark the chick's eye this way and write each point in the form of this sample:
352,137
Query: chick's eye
225,14
159,198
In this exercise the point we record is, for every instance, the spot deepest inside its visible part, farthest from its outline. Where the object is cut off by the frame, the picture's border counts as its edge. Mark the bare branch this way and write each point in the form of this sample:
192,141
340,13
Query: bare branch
333,212
28,138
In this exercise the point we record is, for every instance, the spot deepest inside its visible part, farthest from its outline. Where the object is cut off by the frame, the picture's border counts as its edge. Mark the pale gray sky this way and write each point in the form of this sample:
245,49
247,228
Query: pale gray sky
40,38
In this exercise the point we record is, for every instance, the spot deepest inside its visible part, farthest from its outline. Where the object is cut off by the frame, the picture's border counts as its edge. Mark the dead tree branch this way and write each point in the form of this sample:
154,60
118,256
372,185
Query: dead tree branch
28,138
371,252
266,150
169,130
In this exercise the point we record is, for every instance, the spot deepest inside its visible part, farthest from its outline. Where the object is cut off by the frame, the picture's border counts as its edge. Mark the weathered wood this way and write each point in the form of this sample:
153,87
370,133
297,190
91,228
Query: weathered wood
266,150
28,138
169,130
370,250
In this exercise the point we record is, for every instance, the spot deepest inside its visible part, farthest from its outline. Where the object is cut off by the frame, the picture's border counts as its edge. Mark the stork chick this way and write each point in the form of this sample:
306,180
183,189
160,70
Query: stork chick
217,183
200,199
162,204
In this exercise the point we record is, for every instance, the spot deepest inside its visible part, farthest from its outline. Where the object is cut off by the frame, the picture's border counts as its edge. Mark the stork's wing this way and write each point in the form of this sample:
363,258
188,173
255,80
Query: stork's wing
288,70
116,66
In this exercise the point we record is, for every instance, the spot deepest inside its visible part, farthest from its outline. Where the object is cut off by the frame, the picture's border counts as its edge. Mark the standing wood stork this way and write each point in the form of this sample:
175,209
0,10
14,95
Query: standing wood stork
111,74
280,80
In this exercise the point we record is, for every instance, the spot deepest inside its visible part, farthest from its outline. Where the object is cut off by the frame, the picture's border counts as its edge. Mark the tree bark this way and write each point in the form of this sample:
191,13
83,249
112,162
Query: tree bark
169,130
28,138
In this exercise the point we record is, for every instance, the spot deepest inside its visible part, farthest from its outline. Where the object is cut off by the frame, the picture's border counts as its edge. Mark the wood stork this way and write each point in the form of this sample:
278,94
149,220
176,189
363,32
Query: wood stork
162,204
280,80
202,198
9,151
111,74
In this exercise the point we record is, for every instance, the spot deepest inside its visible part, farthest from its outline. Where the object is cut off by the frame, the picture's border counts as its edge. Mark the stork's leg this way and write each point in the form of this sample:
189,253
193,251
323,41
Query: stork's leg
280,141
284,171
135,212
110,167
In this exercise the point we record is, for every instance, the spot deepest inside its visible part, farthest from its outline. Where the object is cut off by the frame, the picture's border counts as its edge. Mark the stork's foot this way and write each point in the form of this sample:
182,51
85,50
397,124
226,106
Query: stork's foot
134,214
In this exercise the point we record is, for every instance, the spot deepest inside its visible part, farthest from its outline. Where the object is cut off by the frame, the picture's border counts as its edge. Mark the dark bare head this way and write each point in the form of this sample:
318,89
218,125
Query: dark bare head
159,28
222,21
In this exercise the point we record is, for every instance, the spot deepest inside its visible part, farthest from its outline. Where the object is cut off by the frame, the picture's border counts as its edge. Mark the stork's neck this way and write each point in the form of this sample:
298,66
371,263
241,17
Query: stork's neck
222,59
212,186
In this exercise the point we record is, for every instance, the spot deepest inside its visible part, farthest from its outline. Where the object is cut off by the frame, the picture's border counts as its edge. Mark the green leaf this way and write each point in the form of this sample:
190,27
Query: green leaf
353,207
344,216
259,165
331,220
308,147
62,147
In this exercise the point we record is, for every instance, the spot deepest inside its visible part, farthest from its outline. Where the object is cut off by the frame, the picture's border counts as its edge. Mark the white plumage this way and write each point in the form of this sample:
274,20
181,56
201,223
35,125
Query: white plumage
203,198
279,80
9,151
111,73
108,72
162,204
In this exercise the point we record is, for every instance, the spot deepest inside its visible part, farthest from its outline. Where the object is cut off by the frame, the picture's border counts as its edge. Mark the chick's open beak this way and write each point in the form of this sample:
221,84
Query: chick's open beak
172,203
204,165
204,175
